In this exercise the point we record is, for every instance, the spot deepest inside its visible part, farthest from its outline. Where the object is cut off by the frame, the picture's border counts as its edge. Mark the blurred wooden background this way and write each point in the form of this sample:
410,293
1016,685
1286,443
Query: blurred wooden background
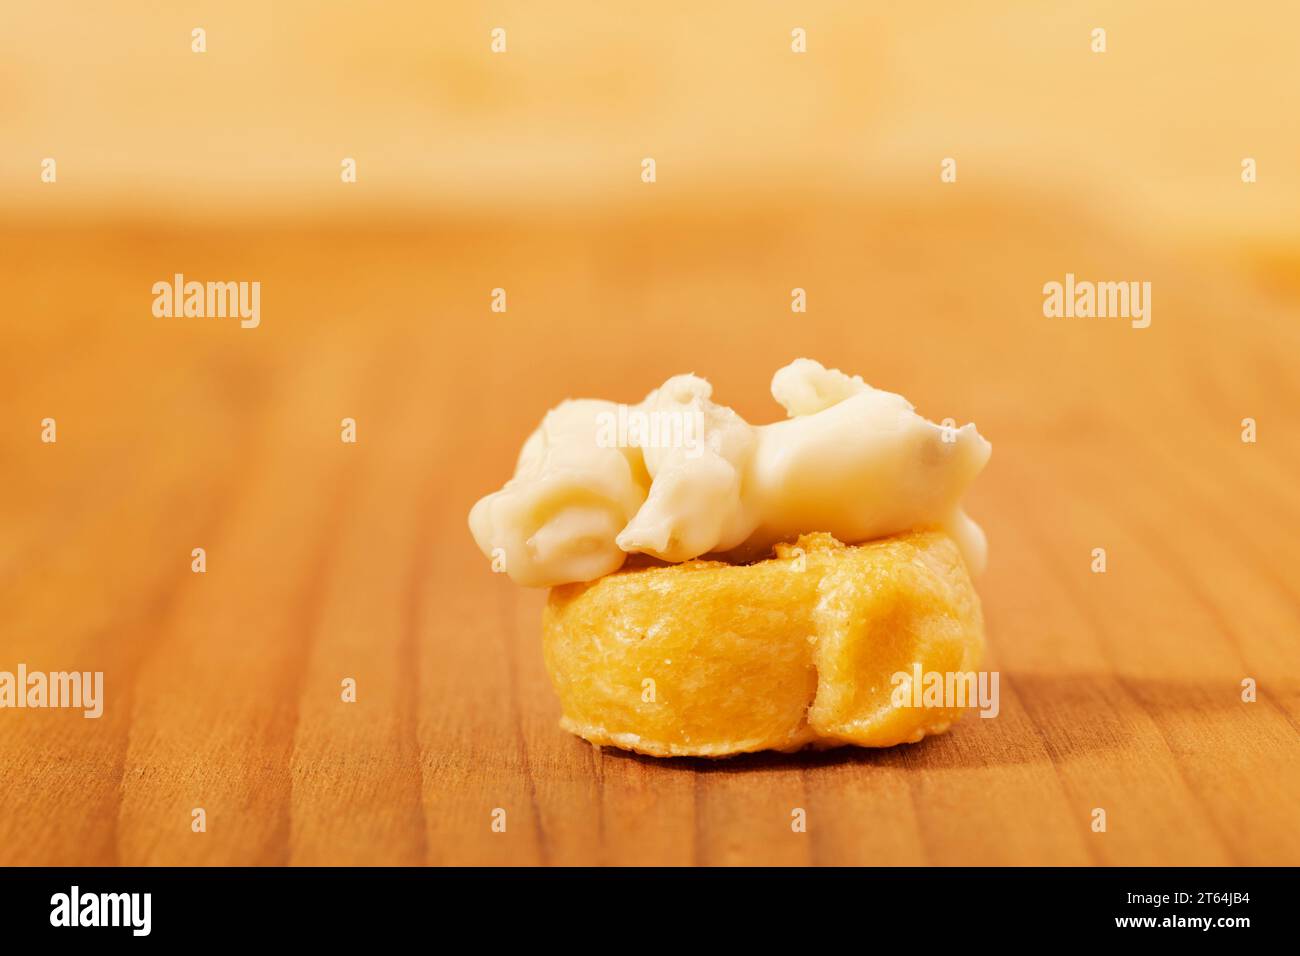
328,560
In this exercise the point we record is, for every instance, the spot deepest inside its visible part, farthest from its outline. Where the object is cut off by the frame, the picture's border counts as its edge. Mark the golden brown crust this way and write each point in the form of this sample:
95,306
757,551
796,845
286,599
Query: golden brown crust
711,659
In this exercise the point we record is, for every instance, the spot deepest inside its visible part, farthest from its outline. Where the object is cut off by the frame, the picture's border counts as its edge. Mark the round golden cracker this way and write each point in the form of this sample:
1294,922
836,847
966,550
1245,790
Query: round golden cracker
712,659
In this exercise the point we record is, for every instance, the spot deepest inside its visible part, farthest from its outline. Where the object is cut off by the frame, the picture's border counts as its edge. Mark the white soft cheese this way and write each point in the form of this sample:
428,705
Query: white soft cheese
679,476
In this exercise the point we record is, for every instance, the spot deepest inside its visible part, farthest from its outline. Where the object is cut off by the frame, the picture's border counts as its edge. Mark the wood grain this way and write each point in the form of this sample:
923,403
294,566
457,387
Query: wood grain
328,560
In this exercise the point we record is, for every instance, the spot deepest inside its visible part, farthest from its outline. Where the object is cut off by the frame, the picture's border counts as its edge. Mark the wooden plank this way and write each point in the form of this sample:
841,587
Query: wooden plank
1119,690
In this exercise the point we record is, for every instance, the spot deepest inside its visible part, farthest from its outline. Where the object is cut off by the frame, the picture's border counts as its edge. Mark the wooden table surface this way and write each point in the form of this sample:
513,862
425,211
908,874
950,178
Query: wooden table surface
327,560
